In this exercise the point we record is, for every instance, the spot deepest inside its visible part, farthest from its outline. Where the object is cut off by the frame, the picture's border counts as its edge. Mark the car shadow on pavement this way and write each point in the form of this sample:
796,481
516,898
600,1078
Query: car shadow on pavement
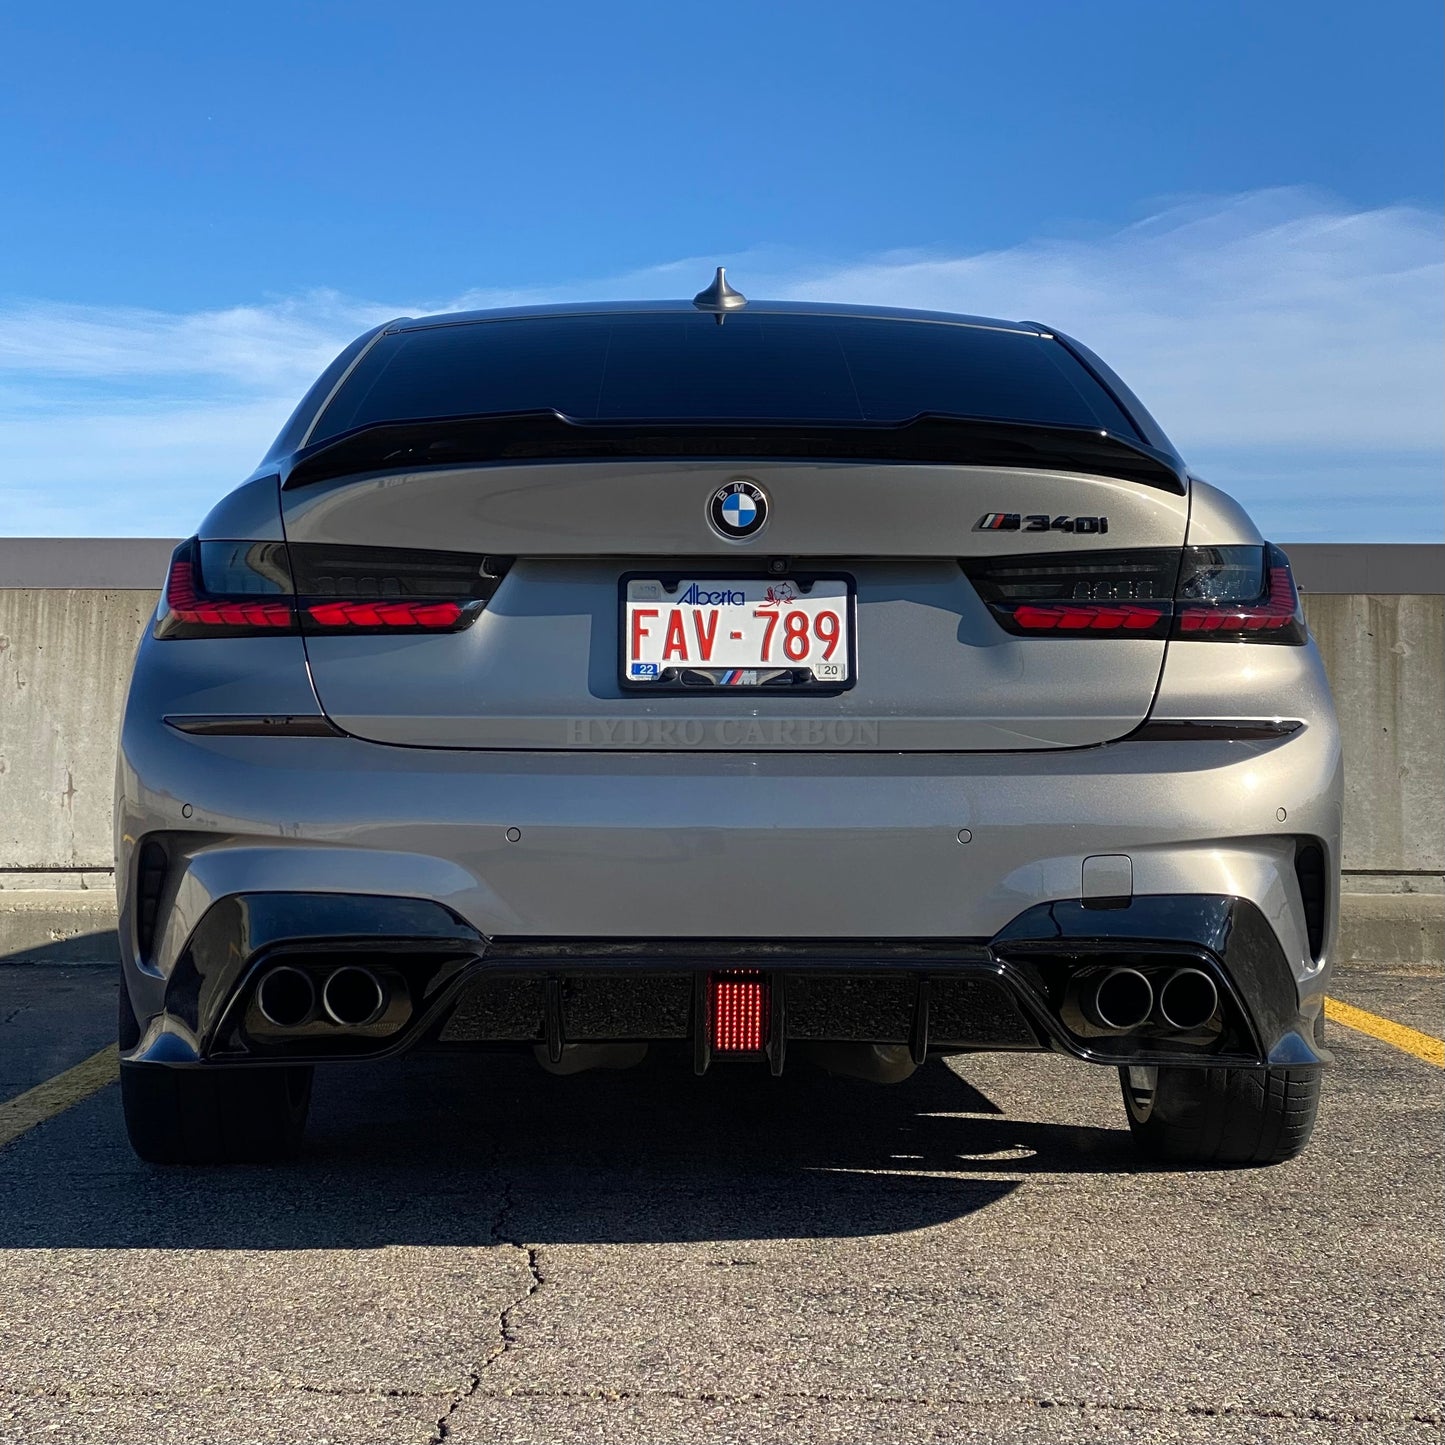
474,1150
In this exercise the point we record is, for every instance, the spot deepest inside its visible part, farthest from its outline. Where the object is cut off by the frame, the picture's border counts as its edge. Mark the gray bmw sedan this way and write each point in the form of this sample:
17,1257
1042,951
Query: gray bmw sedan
810,686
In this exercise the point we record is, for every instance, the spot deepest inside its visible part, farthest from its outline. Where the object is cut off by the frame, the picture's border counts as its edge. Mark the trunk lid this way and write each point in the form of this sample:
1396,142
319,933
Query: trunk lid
539,667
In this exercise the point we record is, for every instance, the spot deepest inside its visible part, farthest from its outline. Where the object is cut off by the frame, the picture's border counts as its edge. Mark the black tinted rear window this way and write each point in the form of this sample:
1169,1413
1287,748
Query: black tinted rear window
686,367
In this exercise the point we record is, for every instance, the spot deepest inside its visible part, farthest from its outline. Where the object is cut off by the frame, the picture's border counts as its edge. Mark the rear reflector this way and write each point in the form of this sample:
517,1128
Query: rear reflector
739,1011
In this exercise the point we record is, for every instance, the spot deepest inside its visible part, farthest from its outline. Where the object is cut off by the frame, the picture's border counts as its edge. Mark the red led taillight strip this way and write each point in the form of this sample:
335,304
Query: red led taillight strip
191,607
1152,592
1087,617
1274,613
740,1008
253,573
441,616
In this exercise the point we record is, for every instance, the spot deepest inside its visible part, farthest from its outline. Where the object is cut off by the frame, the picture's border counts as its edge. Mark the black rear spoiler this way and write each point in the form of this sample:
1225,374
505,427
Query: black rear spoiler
550,436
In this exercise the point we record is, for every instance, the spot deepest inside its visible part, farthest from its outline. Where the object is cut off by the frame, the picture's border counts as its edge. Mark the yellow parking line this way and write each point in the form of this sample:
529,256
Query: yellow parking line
56,1095
1388,1031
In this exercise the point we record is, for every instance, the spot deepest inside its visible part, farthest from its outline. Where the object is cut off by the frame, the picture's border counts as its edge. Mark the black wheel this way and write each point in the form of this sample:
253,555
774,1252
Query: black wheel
1221,1116
214,1116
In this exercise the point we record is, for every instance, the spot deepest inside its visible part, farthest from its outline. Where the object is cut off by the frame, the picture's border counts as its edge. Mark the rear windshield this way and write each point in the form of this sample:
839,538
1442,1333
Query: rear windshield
686,367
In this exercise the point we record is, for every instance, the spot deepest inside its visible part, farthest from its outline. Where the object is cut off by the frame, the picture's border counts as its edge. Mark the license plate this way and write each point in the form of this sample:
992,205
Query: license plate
773,632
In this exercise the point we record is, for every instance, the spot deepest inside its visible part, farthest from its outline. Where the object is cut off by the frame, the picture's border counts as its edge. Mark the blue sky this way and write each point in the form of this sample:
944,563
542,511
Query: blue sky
1238,204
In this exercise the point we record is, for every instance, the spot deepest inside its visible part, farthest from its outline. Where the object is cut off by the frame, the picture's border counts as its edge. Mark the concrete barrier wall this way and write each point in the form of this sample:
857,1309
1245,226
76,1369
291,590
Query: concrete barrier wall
1386,661
65,658
65,655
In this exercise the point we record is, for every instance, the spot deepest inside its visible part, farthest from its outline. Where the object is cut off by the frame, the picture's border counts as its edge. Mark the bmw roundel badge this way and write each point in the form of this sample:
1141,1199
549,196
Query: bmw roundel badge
738,510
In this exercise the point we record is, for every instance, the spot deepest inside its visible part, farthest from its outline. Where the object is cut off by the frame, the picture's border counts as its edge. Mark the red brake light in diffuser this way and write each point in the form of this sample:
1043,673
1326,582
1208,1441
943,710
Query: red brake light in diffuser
740,1008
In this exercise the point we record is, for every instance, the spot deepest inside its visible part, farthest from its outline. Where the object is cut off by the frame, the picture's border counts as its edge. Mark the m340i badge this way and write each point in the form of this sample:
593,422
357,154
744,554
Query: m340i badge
1040,522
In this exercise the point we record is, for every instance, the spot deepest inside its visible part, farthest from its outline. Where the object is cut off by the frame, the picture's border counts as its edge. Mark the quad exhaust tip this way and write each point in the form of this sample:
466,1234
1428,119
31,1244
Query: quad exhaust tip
353,996
286,997
1188,999
1122,999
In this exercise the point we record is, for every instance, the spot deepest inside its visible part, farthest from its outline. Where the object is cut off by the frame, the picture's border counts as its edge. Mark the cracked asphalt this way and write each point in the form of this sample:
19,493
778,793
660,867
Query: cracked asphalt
473,1251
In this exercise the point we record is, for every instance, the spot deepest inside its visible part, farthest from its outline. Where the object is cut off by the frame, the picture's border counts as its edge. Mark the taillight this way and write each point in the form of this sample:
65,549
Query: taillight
251,589
1107,594
1238,594
248,597
1206,594
391,589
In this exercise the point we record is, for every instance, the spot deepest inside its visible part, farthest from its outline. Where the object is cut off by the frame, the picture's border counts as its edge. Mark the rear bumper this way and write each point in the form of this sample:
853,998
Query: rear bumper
445,983
766,846
673,852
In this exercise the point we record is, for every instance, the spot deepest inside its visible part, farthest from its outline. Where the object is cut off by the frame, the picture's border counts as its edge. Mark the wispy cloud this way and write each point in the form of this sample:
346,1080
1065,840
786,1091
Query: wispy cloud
1292,347
250,346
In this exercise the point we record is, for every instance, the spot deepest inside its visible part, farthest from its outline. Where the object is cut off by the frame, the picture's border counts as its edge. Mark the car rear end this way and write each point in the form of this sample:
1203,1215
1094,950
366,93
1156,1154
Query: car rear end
794,684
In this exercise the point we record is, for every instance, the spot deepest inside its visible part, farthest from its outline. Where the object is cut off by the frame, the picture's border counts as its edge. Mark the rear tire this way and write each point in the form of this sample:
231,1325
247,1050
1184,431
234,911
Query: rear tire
214,1116
1221,1117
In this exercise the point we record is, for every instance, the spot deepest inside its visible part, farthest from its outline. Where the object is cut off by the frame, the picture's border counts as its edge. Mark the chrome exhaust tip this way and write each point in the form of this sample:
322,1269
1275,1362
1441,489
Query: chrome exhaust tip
1123,999
286,997
353,996
1188,999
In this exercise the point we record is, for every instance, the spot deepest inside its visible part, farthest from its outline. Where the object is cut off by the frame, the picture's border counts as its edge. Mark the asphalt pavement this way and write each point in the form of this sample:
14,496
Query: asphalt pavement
474,1251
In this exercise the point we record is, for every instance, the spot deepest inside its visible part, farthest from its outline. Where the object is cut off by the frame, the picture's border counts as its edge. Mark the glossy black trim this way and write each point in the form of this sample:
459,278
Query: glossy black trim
1035,960
1227,930
1166,730
152,864
249,725
1312,875
1118,390
680,306
239,934
298,425
550,436
919,1024
725,954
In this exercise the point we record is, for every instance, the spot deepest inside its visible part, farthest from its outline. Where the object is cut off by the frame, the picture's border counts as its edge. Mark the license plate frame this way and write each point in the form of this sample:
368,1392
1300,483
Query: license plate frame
688,680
